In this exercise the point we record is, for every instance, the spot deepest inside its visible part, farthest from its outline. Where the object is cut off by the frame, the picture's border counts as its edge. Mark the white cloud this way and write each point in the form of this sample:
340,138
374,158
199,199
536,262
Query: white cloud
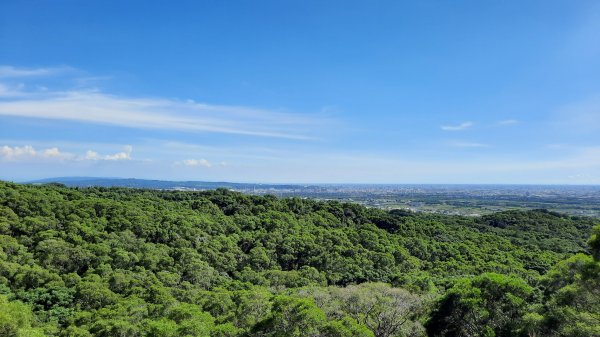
197,162
507,122
459,127
15,72
11,91
28,153
201,162
11,153
53,152
118,156
96,107
92,155
464,144
123,155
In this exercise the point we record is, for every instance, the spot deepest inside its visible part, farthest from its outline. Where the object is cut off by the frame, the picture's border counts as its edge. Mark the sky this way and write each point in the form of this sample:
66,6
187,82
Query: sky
453,92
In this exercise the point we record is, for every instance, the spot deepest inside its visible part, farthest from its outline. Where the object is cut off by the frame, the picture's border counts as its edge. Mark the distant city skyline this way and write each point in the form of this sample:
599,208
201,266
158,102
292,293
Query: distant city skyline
463,92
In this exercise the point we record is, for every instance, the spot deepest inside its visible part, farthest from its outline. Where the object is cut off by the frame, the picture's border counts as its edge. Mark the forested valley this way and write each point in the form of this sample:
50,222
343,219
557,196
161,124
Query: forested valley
133,262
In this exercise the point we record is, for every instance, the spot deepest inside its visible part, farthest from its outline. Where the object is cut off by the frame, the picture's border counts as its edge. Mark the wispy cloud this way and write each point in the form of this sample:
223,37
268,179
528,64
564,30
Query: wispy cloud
100,108
16,72
460,127
10,90
465,144
507,122
97,107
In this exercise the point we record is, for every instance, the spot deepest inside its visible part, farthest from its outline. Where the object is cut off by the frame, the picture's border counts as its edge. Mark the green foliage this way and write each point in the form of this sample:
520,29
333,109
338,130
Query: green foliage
487,305
293,317
595,243
16,320
125,262
572,303
385,310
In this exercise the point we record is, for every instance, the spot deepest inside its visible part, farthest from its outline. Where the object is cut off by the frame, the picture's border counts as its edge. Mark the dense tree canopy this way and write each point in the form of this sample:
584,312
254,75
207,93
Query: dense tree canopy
125,262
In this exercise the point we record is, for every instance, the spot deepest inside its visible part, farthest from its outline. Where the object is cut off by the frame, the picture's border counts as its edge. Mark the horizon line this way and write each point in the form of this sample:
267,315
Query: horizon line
49,180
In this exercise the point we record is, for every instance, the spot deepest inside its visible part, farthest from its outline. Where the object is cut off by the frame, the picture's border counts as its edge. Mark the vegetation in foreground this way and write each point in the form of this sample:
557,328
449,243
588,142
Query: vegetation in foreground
123,262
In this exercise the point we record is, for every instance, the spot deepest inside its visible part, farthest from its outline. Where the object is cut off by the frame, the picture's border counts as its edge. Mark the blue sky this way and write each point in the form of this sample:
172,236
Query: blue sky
302,91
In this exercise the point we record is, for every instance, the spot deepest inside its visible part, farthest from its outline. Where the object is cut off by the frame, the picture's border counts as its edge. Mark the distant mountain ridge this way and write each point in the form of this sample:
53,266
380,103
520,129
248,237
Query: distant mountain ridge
159,184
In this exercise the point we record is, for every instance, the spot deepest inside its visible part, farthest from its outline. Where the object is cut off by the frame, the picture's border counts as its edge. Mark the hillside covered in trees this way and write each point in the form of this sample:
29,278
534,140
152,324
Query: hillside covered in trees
127,262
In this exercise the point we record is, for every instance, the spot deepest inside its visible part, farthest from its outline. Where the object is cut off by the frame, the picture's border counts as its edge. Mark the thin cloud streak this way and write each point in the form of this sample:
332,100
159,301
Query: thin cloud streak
460,127
16,72
148,113
507,122
463,144
97,107
199,163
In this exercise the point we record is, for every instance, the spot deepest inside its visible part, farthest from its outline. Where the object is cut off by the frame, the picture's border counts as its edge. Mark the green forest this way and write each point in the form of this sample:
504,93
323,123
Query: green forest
78,262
